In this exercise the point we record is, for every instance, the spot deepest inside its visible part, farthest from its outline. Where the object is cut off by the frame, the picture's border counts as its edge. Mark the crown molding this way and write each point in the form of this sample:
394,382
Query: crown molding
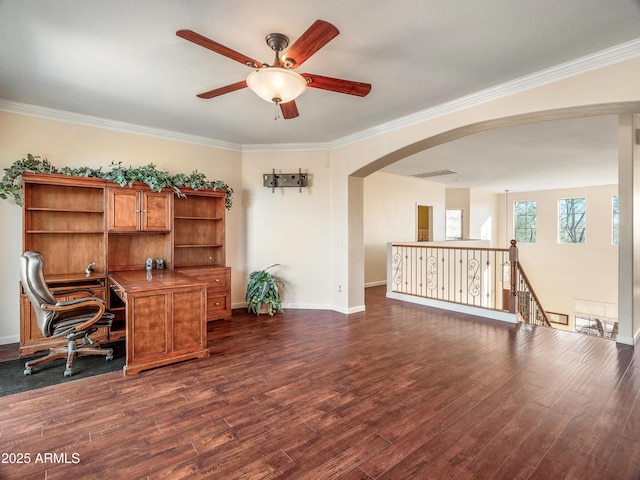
90,121
610,56
279,147
604,58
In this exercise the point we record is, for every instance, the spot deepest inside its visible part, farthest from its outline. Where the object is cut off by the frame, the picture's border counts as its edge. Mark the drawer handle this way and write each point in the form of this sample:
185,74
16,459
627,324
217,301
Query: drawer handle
217,279
217,304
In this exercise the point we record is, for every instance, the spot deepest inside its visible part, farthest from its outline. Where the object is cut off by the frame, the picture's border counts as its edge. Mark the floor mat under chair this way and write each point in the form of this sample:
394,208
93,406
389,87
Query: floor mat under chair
13,380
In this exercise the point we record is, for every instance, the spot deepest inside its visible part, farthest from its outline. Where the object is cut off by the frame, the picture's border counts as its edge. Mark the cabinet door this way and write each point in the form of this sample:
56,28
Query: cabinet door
189,332
148,327
156,211
124,210
134,211
163,326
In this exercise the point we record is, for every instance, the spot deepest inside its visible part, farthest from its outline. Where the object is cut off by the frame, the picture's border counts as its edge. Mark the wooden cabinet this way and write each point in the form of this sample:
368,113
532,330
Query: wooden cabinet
165,317
199,229
78,221
136,210
63,219
198,247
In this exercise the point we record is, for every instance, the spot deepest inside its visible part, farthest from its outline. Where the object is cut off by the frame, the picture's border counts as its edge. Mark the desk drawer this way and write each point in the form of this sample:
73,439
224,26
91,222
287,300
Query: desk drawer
218,278
218,305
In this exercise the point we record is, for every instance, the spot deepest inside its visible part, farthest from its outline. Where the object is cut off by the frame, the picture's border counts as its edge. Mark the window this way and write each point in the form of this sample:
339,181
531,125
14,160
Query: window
453,225
597,327
524,221
596,318
615,236
572,221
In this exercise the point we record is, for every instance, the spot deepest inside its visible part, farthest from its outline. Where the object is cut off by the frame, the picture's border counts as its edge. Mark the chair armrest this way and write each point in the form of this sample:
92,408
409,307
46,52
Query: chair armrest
74,304
67,291
79,302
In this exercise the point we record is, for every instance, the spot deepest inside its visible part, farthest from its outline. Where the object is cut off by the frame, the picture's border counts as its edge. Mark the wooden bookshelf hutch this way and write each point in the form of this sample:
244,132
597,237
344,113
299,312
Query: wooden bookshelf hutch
76,221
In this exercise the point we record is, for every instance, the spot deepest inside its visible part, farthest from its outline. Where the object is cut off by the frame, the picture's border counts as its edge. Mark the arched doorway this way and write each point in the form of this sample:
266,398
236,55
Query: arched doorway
628,124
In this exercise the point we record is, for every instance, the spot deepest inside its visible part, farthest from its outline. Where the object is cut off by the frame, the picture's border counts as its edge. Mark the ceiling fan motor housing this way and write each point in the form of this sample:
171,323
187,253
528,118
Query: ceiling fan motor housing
277,41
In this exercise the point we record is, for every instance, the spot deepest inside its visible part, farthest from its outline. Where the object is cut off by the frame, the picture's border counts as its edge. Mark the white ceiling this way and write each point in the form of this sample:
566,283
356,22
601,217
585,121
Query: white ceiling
544,156
120,60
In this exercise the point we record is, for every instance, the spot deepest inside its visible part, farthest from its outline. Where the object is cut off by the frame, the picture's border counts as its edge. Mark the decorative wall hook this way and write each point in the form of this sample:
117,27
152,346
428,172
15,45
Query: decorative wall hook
274,180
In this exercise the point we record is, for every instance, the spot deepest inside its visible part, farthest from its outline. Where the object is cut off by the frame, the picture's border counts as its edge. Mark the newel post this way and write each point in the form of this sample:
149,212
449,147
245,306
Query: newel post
513,275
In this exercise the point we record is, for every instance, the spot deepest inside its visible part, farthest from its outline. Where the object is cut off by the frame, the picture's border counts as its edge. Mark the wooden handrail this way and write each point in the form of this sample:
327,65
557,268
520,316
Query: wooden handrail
442,247
533,293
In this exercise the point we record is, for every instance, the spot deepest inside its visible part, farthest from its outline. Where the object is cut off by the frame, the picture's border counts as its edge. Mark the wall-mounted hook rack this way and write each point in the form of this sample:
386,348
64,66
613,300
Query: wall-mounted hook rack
274,180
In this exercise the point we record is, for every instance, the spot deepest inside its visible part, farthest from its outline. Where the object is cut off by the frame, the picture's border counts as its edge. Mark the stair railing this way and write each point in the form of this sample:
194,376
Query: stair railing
522,297
480,277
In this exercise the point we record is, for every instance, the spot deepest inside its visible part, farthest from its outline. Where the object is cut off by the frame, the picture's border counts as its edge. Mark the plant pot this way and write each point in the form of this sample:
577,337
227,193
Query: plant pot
264,308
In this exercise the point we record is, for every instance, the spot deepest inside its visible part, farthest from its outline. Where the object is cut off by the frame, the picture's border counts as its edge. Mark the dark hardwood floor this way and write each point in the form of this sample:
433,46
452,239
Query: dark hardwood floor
397,392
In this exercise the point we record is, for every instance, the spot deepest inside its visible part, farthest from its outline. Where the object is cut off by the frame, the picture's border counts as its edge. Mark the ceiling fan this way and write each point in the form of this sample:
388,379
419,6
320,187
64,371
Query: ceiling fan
278,83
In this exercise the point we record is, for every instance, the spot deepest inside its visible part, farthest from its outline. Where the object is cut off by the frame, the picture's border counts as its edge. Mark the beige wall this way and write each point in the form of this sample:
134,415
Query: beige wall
559,272
484,217
390,203
289,227
460,199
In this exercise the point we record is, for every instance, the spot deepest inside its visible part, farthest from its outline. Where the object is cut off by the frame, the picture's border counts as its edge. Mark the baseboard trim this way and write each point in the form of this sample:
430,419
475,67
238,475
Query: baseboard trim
455,307
308,306
350,310
626,340
9,339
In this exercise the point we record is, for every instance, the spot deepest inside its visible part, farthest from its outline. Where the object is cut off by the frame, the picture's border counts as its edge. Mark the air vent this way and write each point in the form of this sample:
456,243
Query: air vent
435,173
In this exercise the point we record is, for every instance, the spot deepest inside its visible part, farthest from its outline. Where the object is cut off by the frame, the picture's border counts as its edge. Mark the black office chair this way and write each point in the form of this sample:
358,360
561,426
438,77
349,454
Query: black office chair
74,319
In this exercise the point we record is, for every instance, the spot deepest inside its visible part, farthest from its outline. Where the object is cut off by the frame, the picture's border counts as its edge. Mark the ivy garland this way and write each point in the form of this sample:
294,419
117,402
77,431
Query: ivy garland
124,176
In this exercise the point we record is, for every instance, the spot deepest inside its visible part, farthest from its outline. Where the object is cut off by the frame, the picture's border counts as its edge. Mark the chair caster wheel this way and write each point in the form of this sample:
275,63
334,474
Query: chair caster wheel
27,371
109,356
67,372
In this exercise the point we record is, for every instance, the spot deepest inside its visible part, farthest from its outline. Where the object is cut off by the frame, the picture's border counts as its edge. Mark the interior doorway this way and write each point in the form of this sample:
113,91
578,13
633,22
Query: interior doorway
424,222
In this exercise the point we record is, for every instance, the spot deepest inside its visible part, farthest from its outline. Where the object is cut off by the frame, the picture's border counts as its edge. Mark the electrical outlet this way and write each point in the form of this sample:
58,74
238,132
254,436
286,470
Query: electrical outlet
339,288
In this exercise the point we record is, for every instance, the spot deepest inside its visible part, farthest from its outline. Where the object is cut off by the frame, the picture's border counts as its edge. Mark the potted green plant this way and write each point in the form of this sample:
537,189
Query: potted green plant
11,183
263,295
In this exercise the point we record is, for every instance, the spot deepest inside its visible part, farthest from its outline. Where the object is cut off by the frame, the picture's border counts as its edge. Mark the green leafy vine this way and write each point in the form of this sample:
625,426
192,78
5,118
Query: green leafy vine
11,185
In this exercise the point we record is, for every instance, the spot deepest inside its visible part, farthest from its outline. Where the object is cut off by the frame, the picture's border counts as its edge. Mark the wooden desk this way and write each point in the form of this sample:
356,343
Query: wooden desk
165,317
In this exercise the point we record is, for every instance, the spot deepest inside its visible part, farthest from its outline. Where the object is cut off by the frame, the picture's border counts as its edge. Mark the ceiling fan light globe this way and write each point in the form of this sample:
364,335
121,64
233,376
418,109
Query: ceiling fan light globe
276,84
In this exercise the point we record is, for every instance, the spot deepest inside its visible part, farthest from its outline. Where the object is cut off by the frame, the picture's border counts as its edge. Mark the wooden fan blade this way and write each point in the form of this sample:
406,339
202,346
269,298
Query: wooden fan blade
317,36
337,85
222,90
218,48
289,109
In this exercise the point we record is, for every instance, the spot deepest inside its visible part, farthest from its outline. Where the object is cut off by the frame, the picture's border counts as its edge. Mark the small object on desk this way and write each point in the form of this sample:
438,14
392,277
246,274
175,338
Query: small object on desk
159,264
89,268
149,264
